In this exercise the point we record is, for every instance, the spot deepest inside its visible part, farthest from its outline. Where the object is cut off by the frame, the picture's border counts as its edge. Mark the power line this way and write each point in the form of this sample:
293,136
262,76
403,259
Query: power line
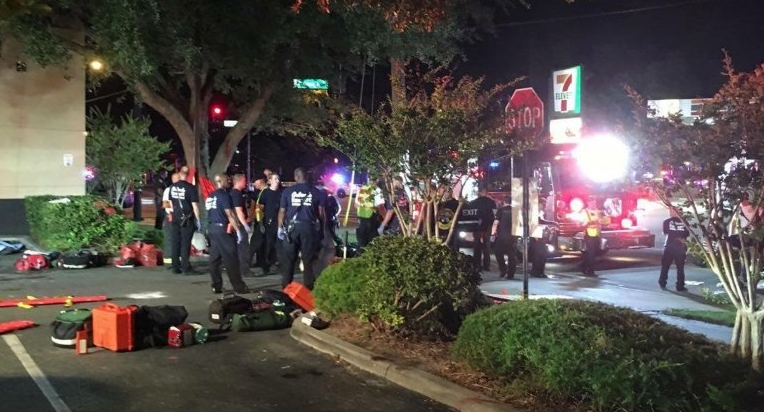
106,96
601,14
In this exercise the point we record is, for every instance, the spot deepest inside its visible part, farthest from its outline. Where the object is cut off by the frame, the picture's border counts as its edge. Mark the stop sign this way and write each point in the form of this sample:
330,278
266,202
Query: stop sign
525,113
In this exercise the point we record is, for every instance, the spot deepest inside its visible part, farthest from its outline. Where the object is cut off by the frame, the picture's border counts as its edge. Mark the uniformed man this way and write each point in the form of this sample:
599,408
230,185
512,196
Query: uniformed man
185,220
300,222
485,207
505,248
167,224
269,201
240,207
592,231
674,250
391,223
225,233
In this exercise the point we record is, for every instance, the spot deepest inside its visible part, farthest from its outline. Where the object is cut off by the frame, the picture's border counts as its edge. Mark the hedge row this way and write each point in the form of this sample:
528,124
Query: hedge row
83,221
611,358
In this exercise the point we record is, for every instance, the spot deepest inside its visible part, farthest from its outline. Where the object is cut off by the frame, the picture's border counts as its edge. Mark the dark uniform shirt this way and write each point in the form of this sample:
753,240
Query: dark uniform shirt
402,201
216,204
239,200
270,199
675,231
182,194
301,202
484,207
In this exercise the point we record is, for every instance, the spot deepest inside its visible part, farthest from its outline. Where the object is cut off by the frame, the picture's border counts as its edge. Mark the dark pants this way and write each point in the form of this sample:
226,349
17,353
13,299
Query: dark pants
367,230
181,245
505,251
482,248
167,231
591,250
268,250
159,220
537,251
673,254
223,249
304,241
242,253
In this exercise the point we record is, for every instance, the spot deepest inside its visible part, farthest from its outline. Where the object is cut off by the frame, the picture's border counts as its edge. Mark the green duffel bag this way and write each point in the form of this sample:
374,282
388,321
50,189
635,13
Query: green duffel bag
66,325
261,320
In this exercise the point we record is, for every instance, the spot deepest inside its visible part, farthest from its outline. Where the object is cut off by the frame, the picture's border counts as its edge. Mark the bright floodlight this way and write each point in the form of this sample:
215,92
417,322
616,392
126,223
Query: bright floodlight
602,158
96,65
338,178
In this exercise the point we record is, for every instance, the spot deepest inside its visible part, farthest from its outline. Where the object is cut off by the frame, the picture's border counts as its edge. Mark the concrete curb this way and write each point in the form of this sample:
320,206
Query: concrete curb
424,383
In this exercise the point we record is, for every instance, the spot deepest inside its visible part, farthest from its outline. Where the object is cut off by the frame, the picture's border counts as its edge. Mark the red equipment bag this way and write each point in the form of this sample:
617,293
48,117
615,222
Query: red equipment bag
31,261
148,255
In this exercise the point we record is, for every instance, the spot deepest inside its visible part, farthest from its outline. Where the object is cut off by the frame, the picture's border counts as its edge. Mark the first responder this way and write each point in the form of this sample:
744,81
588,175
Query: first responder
300,227
368,219
674,250
185,220
225,233
592,233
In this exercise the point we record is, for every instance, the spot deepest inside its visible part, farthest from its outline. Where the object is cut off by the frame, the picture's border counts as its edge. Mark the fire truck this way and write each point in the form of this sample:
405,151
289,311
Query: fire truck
588,176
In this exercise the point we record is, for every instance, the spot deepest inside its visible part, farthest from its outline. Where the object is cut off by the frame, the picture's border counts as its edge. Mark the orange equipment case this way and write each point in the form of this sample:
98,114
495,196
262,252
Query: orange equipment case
113,327
300,295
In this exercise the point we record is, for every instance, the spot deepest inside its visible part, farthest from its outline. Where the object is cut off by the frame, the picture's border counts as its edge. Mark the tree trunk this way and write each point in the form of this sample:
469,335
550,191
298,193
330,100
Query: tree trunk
398,82
747,338
237,133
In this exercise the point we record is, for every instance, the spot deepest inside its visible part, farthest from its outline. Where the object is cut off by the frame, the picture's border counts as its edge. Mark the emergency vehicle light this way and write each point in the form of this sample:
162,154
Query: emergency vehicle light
602,158
627,223
576,204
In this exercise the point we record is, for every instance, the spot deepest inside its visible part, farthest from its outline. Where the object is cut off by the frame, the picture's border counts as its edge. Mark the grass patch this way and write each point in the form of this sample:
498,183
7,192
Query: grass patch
724,317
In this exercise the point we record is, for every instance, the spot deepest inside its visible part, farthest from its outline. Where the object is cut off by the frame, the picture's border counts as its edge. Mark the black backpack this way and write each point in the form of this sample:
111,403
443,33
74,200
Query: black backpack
152,323
221,310
66,325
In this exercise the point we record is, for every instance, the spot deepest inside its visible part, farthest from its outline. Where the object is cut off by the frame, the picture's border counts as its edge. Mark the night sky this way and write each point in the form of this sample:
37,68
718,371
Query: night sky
664,48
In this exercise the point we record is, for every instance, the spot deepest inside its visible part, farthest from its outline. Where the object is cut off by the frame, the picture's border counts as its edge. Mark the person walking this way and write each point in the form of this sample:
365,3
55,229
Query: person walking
269,201
225,233
505,247
674,250
240,208
592,232
300,221
185,220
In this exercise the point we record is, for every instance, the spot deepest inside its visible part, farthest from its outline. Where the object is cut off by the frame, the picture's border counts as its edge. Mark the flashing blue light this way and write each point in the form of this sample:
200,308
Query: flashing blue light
494,164
338,178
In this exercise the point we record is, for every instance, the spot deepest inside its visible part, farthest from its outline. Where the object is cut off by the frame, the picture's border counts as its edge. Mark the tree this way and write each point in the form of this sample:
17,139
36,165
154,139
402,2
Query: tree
428,139
121,153
712,165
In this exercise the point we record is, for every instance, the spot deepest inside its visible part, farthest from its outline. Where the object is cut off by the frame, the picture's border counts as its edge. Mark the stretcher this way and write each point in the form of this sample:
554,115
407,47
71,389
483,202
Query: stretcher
58,300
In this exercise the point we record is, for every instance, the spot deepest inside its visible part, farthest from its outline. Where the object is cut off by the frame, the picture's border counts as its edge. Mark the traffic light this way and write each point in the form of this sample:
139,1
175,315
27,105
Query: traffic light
216,112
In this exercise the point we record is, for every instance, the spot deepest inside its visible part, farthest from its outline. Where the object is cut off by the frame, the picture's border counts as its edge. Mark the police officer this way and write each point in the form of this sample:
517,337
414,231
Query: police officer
185,220
225,233
300,223
391,223
269,201
592,231
240,207
674,251
485,207
505,248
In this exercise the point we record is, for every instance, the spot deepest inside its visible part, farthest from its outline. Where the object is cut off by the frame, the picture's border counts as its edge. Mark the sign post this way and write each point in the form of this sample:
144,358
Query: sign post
525,121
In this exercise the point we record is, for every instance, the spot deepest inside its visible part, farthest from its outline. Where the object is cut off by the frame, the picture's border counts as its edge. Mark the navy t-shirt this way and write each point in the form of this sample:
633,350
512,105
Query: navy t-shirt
216,204
239,200
182,194
270,199
301,194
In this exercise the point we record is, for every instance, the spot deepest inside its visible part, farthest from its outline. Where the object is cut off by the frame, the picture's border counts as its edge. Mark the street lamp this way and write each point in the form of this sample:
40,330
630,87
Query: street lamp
96,65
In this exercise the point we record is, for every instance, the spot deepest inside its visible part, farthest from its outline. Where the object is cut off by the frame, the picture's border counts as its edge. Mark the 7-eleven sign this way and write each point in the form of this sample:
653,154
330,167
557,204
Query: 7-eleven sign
566,86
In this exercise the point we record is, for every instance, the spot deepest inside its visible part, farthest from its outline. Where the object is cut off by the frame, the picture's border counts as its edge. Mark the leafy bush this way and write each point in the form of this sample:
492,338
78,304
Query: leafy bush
339,287
417,285
84,221
613,358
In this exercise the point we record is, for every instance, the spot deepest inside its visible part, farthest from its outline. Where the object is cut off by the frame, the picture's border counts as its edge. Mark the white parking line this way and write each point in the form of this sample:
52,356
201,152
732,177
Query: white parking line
42,382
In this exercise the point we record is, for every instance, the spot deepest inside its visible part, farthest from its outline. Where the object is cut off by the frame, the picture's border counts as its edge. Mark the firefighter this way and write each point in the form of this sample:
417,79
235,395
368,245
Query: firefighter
225,233
592,232
300,227
185,220
674,251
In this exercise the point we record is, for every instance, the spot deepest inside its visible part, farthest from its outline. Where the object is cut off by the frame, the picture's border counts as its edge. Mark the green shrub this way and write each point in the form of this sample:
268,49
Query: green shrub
612,358
418,286
82,222
338,289
149,235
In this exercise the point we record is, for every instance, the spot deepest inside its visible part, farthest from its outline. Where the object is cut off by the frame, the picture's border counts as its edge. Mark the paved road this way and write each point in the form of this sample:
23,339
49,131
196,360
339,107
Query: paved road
256,371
